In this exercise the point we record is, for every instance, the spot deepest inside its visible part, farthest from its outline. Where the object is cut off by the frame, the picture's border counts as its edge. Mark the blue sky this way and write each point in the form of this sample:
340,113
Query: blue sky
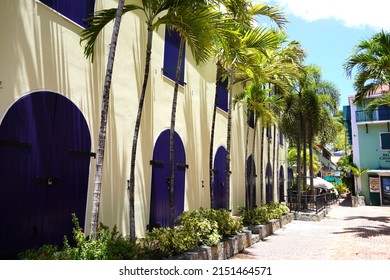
330,29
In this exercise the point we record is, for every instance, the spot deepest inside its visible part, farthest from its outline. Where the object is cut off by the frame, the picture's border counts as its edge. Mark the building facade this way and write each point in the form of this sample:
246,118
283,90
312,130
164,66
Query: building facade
370,138
50,105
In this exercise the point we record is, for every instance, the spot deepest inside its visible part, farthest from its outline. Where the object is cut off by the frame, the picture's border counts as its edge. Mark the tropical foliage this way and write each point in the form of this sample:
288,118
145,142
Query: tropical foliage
263,213
369,64
277,88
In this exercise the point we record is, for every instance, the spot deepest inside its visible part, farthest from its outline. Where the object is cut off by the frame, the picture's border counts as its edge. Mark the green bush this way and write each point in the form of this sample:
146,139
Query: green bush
256,216
263,213
197,227
283,206
108,245
226,224
201,226
46,252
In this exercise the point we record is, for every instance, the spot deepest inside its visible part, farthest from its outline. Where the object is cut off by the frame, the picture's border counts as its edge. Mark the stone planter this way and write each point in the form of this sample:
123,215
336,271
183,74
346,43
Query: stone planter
262,230
236,244
358,201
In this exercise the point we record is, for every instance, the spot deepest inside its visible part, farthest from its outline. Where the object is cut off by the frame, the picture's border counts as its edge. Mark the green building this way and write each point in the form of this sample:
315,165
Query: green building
370,139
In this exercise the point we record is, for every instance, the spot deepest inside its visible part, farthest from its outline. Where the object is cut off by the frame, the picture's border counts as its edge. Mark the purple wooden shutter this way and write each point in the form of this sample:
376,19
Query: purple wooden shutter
76,10
281,184
269,186
159,204
43,182
251,180
171,54
220,179
223,95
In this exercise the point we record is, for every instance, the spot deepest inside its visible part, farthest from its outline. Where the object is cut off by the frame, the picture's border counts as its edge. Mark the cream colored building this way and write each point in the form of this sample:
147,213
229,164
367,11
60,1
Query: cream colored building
50,99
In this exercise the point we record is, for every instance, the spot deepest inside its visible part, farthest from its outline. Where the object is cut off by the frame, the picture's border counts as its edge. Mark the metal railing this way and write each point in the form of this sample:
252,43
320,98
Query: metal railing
377,115
309,203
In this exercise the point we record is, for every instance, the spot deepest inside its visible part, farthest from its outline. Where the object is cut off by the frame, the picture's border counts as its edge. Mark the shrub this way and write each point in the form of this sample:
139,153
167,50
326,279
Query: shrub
46,252
256,216
108,245
283,206
263,213
226,224
201,226
169,242
197,227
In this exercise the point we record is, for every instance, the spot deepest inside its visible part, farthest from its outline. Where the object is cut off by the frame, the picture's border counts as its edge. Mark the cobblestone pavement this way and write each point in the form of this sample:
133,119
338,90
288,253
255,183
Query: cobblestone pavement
346,233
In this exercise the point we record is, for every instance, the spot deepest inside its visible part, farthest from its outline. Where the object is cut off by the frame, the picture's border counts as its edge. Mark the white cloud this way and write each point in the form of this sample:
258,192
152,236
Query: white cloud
373,13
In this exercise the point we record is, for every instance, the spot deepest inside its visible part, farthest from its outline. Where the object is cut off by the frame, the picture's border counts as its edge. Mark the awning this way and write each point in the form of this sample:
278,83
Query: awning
379,171
318,182
332,179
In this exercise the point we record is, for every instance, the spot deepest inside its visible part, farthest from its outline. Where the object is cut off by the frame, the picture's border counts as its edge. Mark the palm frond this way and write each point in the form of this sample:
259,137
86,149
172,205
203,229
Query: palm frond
96,24
273,13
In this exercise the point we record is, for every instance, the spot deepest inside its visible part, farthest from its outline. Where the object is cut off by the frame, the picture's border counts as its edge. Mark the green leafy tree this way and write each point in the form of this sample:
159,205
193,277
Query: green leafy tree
369,63
196,23
235,52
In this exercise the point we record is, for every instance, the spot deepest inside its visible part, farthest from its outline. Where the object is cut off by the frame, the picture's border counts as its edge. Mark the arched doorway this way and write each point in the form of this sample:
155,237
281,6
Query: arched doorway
159,201
281,184
251,178
44,167
269,185
220,179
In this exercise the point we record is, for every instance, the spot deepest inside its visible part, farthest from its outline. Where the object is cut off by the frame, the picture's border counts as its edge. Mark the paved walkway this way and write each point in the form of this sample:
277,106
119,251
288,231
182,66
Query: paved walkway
346,233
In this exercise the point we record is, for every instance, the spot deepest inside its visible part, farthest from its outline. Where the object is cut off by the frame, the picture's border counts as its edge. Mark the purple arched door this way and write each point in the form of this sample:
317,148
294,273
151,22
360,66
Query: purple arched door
251,178
44,168
159,201
281,184
269,185
220,179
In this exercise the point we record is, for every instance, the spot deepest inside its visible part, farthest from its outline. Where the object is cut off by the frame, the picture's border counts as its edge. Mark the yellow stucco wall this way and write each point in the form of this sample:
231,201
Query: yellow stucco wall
40,49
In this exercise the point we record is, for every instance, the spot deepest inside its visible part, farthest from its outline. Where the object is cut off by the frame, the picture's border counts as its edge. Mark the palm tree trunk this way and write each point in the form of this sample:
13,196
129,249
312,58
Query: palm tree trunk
136,132
228,138
211,153
172,136
304,157
103,123
299,171
311,166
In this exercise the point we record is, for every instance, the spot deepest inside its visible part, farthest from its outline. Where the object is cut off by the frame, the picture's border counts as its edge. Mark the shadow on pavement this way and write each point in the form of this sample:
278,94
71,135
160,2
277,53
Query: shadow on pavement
367,232
347,202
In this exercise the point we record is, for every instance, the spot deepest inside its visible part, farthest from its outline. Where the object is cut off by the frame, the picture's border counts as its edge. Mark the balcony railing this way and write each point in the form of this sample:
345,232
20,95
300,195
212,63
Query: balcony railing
377,115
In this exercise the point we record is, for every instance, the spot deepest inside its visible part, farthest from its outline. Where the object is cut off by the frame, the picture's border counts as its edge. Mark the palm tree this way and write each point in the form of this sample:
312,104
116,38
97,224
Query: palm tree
156,12
196,23
320,102
371,60
243,13
308,115
263,107
103,122
231,56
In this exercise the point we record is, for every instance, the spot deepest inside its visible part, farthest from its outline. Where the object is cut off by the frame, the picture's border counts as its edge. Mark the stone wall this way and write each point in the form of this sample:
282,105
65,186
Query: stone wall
236,244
